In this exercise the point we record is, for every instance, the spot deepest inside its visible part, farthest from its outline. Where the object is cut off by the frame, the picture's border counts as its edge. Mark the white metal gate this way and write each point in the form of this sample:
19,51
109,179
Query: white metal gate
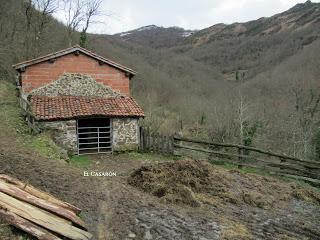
94,135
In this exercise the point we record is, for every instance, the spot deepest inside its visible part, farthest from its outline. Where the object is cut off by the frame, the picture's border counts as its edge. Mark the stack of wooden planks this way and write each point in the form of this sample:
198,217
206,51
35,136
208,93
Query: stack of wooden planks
39,213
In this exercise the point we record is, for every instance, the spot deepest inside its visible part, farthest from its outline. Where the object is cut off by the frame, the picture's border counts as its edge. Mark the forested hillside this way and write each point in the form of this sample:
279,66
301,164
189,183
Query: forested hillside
255,83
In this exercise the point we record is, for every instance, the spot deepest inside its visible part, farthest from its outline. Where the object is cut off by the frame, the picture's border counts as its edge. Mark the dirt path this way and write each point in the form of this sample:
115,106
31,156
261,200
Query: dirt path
131,214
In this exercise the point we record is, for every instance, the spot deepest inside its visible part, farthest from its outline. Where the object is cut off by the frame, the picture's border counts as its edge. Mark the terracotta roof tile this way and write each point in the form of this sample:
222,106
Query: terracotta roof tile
68,107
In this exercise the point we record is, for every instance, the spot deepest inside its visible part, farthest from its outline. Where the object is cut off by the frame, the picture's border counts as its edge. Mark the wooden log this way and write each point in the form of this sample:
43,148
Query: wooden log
27,226
303,164
306,179
42,218
17,193
38,193
248,148
298,171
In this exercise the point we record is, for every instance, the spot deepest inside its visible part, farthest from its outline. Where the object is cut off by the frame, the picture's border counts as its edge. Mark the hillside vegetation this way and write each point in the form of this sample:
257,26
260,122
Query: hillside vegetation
254,83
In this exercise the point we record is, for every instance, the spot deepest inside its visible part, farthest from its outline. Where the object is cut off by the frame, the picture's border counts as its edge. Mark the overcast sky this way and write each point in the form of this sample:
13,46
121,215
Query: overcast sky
124,15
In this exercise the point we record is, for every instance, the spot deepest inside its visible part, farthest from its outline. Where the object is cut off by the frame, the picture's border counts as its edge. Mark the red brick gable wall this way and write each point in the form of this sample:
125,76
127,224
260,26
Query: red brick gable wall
43,73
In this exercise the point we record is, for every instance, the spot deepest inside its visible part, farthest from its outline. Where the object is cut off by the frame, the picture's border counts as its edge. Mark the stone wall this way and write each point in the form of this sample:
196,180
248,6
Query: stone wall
75,84
64,133
125,134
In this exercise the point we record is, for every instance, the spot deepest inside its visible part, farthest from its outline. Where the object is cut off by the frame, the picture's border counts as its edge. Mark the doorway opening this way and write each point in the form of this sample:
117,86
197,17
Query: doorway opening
94,135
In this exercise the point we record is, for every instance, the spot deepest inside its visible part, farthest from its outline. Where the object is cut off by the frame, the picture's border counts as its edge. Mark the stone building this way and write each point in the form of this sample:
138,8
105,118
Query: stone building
83,99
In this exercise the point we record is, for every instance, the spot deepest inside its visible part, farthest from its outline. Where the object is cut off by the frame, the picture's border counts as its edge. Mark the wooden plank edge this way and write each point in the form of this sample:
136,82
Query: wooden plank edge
45,219
26,226
19,194
38,193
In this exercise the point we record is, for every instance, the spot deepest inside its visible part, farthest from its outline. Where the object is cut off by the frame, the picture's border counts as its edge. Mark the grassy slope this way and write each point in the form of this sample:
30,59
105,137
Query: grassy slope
14,128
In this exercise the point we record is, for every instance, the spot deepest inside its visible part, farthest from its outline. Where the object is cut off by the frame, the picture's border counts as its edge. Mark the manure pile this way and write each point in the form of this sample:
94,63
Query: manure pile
195,183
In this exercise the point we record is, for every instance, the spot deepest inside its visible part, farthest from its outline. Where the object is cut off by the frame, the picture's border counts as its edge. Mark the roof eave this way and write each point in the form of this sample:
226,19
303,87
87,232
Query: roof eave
40,119
61,53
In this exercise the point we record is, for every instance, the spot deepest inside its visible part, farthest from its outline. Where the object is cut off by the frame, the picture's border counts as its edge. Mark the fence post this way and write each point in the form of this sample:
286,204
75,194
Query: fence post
155,142
141,139
282,160
240,157
163,145
152,138
158,143
147,136
168,142
174,141
144,140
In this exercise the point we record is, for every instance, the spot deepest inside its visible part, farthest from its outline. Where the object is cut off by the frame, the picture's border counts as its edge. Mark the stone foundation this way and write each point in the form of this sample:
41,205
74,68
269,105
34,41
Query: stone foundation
64,133
125,134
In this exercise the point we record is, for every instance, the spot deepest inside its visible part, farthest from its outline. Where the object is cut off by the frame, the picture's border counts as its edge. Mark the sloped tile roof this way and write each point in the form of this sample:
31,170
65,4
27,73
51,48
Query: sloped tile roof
70,107
71,50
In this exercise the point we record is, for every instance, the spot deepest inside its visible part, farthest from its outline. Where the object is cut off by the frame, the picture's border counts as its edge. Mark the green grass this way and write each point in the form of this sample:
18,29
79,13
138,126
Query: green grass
81,161
261,172
146,156
42,144
14,127
229,165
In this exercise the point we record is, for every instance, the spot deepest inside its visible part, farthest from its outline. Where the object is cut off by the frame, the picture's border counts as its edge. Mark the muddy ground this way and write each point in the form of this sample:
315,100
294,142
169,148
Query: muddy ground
144,202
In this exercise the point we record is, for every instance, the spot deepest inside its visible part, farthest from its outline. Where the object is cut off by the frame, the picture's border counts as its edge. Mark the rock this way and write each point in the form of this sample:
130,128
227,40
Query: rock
131,235
63,153
148,235
75,84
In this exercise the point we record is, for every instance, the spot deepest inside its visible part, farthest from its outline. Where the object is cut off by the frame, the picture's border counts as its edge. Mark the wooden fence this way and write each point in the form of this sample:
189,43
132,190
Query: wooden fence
153,142
242,156
26,112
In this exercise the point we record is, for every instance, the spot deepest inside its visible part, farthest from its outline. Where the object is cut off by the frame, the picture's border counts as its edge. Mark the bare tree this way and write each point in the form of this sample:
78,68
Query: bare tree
242,117
79,15
37,17
307,106
29,12
73,16
92,10
46,8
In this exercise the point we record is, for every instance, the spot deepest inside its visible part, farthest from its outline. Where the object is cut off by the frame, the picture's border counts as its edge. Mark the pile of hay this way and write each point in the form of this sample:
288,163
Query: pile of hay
194,183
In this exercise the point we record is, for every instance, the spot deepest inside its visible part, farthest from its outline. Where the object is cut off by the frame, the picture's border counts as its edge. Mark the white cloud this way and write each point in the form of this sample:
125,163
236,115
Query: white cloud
124,15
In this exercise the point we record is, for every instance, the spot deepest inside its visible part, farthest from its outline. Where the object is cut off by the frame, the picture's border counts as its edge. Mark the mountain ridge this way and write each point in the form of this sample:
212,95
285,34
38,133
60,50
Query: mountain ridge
294,18
156,36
